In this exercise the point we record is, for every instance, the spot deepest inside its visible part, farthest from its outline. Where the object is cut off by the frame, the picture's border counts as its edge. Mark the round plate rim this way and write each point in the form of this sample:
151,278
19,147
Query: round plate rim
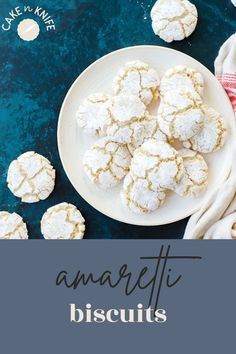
60,118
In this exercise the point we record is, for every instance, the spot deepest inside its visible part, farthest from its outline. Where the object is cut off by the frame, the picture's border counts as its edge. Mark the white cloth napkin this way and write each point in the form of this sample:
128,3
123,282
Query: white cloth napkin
225,68
217,217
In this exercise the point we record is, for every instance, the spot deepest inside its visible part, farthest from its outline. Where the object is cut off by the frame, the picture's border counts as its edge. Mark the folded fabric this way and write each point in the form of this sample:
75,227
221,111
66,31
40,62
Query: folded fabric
223,229
217,217
204,222
225,68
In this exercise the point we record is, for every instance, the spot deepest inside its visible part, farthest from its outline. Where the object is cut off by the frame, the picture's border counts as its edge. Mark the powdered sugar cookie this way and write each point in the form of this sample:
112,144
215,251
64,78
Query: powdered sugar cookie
180,114
139,197
212,136
195,179
12,227
158,163
152,131
174,20
63,222
92,115
106,163
127,117
137,78
31,177
182,77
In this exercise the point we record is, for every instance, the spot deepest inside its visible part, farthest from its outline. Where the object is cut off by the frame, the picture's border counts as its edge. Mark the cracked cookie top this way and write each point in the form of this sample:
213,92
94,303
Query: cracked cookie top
31,177
137,78
127,116
180,114
152,131
139,196
63,222
107,162
92,115
12,227
195,178
182,77
158,163
174,20
212,136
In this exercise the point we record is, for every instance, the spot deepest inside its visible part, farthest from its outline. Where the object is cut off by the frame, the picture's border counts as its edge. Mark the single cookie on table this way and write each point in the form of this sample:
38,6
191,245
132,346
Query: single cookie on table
174,20
158,163
152,131
195,178
127,117
63,222
12,227
137,78
139,196
92,114
212,136
106,163
182,77
180,114
31,177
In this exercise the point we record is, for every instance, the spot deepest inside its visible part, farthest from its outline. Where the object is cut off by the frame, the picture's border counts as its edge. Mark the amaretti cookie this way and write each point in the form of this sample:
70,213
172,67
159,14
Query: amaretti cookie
107,162
137,78
12,227
152,131
31,177
127,117
63,222
158,163
139,196
195,178
182,77
180,114
174,20
212,136
92,114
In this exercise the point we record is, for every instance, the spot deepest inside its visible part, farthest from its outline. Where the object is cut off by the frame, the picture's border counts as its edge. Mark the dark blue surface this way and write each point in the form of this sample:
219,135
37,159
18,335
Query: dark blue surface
35,77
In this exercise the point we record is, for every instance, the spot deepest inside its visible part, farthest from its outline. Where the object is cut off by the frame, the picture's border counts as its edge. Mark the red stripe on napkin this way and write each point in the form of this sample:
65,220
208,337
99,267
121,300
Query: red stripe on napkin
228,81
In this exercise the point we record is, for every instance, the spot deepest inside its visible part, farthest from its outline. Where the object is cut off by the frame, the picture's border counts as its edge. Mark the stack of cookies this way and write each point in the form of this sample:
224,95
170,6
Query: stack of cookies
139,147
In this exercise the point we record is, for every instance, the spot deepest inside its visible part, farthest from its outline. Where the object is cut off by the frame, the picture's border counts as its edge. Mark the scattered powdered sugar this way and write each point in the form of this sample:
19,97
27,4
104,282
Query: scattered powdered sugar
63,222
180,114
107,162
212,136
137,78
92,115
195,178
12,227
174,20
182,77
31,177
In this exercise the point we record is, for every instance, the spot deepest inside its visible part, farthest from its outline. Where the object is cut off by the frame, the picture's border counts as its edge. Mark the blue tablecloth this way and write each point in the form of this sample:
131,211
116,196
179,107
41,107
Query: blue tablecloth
36,75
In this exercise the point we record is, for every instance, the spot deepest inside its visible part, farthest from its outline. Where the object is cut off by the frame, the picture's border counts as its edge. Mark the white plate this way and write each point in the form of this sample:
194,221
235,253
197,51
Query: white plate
73,142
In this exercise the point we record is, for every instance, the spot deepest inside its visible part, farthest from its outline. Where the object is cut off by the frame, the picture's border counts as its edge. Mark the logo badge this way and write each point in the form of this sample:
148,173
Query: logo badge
28,27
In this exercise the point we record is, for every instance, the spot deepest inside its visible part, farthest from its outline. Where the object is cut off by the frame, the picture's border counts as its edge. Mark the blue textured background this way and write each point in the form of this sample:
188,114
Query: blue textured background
35,77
